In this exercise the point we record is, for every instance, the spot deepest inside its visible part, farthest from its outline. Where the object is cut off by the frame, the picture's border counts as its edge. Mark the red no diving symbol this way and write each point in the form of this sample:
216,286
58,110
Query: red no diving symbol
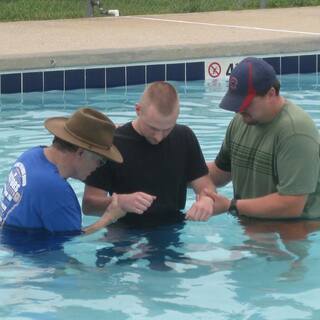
214,69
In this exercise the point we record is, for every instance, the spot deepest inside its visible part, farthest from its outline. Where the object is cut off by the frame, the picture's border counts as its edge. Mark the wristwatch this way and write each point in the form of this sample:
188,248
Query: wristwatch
233,207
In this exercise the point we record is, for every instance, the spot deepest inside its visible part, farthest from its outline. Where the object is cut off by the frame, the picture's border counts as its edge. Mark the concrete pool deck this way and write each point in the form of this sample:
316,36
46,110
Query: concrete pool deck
129,39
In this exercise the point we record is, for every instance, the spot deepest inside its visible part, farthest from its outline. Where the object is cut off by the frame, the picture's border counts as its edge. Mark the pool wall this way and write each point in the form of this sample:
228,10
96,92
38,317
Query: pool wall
133,74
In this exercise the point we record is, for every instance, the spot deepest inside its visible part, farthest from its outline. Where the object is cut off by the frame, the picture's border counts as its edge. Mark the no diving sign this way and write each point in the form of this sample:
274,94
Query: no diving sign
214,70
220,68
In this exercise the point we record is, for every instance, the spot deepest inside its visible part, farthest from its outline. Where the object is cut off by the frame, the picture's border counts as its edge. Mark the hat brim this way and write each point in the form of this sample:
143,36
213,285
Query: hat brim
56,126
236,103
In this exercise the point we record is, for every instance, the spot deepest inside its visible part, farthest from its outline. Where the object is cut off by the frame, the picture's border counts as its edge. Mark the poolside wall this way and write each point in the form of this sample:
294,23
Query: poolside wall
133,74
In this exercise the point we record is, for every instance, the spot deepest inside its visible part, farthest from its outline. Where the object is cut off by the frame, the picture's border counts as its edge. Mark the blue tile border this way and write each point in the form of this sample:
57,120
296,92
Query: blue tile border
308,63
53,80
289,64
136,75
32,81
11,83
96,78
195,71
116,76
156,72
74,79
176,72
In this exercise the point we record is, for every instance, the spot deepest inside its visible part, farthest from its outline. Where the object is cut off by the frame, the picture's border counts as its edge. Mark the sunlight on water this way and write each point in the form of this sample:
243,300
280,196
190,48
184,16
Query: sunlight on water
222,269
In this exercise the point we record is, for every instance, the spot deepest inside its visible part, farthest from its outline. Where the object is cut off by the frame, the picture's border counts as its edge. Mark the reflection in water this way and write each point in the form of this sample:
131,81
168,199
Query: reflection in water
44,249
157,245
241,269
280,240
221,269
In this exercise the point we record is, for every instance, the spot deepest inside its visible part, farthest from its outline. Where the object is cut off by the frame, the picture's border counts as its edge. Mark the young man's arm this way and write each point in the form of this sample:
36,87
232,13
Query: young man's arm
202,208
96,200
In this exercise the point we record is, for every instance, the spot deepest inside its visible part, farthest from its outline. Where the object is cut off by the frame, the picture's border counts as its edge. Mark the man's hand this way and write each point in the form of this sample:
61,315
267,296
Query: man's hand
221,203
202,209
114,210
110,215
137,202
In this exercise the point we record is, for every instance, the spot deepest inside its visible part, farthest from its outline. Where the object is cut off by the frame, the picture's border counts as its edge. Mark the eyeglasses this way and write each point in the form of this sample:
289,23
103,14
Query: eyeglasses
100,160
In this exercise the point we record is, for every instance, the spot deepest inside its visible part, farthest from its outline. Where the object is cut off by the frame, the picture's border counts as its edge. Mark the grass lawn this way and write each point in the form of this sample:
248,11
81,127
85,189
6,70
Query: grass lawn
11,10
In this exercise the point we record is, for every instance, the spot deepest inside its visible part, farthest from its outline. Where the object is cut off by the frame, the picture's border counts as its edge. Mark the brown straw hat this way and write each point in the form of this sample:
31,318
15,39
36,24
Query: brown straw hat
88,129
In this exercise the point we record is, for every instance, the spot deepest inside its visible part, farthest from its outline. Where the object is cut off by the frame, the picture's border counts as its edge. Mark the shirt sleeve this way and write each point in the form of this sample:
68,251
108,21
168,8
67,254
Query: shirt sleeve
61,211
223,158
298,165
197,166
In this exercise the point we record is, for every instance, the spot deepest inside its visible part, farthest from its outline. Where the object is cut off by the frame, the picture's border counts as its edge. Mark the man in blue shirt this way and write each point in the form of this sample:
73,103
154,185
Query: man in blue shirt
37,195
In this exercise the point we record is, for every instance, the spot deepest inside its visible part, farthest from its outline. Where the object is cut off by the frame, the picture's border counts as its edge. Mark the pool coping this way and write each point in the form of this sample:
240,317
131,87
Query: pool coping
183,43
58,60
87,41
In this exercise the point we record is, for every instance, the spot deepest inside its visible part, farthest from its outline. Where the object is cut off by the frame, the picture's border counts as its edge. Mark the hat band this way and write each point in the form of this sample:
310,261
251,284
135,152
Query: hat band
90,144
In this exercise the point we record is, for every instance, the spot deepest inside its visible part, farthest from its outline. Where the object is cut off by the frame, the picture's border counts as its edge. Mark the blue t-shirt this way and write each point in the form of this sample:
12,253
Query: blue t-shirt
35,196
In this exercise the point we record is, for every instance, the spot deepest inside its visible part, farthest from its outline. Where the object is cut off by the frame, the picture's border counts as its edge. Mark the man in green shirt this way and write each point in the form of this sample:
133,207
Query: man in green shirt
270,151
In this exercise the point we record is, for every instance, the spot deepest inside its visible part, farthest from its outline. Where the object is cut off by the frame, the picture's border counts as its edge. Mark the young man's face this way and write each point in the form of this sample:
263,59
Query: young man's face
153,125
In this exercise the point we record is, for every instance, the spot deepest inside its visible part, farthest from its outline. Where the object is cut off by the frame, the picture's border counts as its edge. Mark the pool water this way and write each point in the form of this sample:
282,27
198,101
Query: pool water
225,268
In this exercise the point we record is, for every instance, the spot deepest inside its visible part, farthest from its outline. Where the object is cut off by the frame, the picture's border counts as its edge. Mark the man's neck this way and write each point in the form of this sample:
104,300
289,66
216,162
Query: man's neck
60,159
279,106
135,126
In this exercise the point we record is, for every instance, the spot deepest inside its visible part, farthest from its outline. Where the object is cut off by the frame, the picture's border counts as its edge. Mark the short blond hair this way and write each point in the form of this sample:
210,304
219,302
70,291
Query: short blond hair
162,95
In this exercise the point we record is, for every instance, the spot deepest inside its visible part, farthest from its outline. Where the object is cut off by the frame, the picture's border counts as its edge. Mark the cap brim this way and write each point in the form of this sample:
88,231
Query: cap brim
232,102
56,126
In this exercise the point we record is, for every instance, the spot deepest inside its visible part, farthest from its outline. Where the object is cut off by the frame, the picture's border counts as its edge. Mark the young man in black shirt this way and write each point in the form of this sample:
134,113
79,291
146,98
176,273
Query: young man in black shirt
161,159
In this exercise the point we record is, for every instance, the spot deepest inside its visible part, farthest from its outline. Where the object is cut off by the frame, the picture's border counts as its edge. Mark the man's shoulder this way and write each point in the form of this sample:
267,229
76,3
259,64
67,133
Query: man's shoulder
181,129
34,151
298,120
124,127
295,110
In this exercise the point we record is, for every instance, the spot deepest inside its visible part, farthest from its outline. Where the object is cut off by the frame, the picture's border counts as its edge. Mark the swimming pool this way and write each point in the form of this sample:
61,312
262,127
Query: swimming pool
221,269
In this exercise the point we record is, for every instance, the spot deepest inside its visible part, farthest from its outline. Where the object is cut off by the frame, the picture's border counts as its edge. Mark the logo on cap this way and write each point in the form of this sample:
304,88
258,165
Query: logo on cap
233,83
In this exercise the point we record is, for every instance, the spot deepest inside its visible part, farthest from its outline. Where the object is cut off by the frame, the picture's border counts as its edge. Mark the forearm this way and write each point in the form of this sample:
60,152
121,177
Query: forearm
95,205
111,214
218,177
105,220
272,206
202,183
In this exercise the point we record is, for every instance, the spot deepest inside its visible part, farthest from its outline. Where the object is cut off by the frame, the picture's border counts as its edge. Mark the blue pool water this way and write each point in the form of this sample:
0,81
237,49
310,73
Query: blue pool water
221,269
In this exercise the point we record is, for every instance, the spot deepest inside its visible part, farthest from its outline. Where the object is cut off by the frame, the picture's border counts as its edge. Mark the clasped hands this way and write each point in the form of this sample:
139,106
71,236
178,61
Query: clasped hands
208,204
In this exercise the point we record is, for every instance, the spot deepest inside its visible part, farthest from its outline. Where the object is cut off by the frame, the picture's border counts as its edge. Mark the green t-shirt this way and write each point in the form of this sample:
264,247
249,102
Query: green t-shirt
281,156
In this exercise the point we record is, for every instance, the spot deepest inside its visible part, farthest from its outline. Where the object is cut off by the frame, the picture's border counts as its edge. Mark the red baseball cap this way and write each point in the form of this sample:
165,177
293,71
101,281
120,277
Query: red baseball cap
252,76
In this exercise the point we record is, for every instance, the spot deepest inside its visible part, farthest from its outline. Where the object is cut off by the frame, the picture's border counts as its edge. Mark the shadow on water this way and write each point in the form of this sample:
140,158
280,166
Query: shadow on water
44,249
158,245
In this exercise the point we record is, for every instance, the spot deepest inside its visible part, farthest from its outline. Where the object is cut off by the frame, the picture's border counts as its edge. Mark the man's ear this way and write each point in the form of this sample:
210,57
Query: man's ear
80,152
138,109
272,92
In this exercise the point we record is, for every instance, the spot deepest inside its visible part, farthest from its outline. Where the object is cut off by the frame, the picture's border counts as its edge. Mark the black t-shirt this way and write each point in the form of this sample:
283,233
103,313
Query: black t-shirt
163,170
